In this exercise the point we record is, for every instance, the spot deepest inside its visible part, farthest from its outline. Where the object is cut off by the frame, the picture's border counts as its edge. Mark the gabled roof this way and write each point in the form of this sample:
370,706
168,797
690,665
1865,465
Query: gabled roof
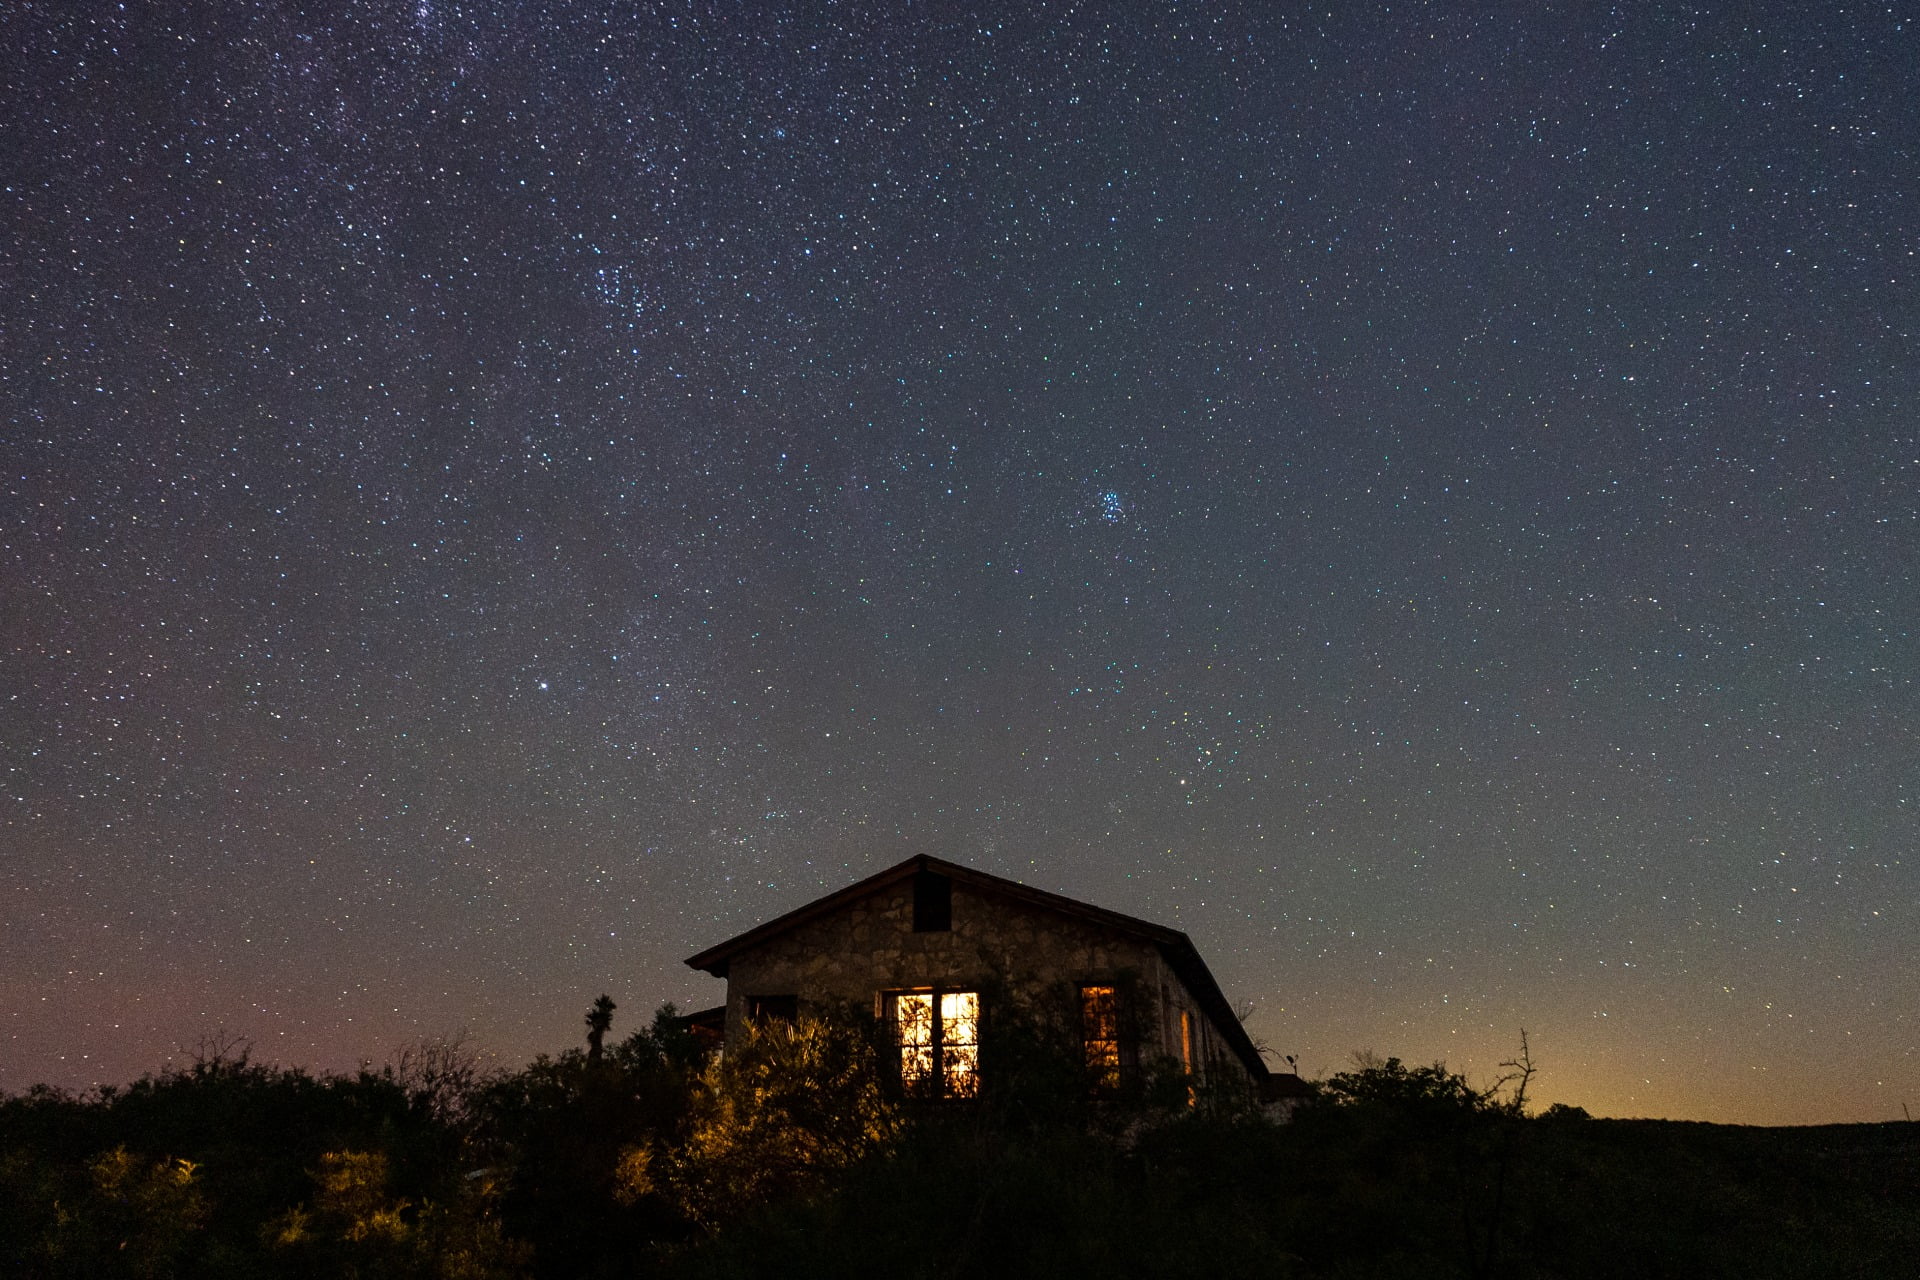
1175,947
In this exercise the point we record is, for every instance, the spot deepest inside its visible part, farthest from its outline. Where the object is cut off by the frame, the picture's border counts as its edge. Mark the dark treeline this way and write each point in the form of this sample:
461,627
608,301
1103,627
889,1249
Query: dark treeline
795,1156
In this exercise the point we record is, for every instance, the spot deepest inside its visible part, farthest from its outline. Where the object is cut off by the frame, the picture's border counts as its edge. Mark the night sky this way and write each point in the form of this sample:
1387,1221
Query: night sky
495,498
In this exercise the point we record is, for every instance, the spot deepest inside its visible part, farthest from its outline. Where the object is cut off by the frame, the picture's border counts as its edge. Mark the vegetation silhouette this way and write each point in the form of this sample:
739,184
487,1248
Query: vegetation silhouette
599,1021
797,1154
788,1109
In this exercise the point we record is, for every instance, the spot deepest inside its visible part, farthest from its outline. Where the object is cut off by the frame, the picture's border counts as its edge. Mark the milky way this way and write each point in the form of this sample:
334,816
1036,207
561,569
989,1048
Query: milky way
500,497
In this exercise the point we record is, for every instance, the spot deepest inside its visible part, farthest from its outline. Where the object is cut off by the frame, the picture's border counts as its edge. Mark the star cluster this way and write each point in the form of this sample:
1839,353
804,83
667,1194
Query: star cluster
497,497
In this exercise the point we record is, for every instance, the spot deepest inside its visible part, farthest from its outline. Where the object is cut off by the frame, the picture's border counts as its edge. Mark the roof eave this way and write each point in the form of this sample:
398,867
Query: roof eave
714,959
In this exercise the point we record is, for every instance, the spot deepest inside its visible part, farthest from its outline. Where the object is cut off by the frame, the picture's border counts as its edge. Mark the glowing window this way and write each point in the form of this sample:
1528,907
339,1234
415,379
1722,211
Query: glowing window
1100,1028
1186,1050
937,1034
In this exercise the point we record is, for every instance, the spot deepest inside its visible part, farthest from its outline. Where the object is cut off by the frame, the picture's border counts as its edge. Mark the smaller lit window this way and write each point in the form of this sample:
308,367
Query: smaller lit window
1100,1027
1186,1052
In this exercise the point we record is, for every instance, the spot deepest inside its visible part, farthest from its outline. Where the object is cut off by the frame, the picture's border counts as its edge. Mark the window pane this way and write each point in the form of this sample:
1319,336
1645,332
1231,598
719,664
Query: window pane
913,1018
961,1064
913,1033
1099,1009
960,1043
916,1065
960,1017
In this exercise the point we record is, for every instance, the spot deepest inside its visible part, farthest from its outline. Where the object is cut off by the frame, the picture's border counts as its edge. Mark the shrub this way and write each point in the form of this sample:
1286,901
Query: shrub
787,1108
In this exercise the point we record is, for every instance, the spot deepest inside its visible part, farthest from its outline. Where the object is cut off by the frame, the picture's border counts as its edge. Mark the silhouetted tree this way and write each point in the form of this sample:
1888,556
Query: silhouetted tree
558,1133
599,1019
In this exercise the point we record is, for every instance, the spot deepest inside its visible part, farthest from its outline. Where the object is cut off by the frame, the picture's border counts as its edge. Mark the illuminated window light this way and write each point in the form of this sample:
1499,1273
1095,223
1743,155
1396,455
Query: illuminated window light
1100,1029
937,1036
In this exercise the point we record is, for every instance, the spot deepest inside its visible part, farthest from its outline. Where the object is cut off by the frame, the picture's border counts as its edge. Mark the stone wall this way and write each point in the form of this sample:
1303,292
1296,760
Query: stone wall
996,944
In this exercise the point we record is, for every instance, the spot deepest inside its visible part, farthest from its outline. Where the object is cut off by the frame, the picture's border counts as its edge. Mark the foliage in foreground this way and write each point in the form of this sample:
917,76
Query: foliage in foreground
785,1113
793,1157
1382,1188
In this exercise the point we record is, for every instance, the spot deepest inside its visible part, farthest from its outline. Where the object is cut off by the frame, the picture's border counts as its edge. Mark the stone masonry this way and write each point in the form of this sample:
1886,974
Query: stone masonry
868,946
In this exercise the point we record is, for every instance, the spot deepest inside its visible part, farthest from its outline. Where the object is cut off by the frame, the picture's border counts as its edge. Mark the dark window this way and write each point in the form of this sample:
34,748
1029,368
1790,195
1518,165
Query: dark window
764,1009
932,903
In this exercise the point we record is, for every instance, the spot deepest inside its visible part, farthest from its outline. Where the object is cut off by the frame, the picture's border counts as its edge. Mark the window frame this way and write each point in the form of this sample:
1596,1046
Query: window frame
938,1081
1102,1035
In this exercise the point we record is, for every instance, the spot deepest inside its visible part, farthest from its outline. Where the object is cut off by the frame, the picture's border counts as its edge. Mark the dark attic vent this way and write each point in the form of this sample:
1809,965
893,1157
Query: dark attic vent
932,902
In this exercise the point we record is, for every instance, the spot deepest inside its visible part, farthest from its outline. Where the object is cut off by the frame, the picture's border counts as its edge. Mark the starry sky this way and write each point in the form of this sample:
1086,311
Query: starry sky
497,497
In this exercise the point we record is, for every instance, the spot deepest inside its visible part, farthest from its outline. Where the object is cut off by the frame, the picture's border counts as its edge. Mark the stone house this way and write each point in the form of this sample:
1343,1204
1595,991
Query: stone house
930,947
